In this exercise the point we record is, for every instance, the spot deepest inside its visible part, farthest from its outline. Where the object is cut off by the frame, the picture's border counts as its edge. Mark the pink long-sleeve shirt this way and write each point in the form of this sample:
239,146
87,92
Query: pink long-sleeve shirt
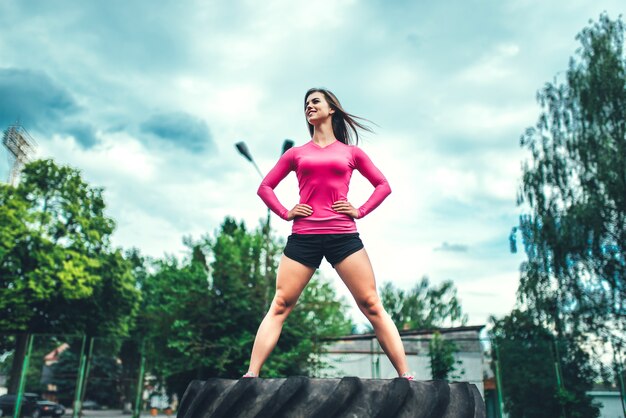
324,178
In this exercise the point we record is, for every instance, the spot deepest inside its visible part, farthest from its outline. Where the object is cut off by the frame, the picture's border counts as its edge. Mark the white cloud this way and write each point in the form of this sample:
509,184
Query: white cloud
494,66
119,157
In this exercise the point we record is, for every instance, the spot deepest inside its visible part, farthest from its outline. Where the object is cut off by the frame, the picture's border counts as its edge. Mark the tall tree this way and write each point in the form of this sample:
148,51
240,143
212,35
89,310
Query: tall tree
574,185
58,273
574,190
424,306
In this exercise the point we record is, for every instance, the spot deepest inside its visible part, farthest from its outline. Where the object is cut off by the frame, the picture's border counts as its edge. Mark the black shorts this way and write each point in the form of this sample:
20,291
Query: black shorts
309,249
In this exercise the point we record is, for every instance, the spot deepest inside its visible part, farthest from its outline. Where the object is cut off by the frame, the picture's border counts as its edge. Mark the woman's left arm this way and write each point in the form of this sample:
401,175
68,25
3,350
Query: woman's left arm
381,187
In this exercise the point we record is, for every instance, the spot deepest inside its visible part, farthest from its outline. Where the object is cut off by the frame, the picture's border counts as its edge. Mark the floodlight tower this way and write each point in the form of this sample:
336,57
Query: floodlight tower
21,148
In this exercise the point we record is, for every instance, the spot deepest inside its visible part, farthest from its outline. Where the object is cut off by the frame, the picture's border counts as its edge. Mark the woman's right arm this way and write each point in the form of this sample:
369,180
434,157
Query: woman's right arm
275,176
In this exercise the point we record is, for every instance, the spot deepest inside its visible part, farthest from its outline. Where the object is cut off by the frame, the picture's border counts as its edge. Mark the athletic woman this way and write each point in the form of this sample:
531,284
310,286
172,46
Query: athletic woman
324,226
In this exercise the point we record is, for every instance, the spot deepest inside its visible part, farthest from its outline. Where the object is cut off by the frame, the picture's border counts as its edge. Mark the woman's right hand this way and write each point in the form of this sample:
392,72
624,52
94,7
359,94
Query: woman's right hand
300,210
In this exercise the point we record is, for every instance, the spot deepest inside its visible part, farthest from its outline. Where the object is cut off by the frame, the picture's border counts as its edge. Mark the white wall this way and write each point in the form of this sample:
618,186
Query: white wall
611,403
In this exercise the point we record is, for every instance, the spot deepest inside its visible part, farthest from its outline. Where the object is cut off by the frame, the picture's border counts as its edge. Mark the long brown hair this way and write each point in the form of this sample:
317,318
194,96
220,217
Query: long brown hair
345,125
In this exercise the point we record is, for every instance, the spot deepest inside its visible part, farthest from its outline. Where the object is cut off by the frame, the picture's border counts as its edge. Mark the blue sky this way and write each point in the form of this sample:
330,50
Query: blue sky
147,99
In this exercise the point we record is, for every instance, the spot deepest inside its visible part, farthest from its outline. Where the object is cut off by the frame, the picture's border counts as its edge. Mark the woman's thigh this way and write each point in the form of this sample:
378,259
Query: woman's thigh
357,273
291,279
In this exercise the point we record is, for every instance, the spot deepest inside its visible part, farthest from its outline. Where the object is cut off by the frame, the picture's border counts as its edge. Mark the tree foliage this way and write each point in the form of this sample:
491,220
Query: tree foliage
56,265
424,306
528,355
575,187
103,383
443,363
58,273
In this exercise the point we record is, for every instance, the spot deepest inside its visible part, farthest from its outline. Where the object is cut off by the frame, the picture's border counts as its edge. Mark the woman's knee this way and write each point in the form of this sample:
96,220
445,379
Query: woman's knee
371,305
281,305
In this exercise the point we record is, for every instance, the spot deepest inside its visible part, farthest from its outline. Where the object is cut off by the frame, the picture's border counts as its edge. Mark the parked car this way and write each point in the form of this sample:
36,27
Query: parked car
29,406
47,408
91,405
32,405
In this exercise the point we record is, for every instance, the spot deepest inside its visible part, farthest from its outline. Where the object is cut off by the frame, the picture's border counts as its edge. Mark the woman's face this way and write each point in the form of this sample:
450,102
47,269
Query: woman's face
316,108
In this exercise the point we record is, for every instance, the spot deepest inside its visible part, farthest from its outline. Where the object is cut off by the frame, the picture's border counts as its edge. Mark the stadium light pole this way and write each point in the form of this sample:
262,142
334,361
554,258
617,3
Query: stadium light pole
245,152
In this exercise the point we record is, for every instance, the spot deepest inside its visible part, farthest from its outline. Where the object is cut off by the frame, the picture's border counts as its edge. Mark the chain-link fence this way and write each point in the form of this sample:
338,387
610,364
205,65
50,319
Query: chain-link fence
45,375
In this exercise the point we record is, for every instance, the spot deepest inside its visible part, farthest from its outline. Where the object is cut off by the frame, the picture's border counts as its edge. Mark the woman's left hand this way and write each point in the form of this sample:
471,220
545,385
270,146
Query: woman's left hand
343,206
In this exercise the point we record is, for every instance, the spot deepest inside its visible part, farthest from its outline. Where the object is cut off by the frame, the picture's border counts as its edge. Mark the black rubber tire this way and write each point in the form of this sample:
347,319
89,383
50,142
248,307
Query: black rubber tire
480,410
190,394
461,403
301,397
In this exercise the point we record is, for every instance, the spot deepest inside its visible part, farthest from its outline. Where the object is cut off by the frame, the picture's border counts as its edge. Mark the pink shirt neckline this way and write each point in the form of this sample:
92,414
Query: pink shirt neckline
320,147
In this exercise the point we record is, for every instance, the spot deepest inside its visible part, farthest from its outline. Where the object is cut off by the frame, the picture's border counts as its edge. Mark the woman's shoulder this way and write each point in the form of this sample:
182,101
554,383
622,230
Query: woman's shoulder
354,148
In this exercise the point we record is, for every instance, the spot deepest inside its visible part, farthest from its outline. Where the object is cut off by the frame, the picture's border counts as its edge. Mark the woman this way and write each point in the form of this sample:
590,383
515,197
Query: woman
324,226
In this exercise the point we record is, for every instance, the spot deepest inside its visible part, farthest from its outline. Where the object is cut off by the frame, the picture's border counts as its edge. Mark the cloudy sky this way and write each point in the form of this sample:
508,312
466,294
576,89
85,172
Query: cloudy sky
148,98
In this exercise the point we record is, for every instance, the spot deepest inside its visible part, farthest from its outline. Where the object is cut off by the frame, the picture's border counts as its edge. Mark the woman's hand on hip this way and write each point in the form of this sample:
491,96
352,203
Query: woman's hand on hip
300,210
343,206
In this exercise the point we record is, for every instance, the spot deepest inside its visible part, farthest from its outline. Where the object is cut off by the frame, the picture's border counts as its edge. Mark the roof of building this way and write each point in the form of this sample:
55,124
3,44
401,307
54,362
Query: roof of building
411,332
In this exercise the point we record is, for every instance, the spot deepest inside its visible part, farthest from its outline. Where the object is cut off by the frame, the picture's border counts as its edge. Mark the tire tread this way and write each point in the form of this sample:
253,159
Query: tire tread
302,397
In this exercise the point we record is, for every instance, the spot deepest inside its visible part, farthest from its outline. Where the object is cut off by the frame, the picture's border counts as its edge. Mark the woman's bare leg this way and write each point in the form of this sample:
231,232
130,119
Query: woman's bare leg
291,279
356,272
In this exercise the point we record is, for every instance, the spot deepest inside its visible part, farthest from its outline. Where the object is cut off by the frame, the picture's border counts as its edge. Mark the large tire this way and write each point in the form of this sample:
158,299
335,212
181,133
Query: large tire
350,397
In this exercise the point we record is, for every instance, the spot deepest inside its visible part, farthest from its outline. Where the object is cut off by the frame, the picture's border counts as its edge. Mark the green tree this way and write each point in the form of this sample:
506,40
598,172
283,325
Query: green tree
57,271
574,189
528,356
574,185
131,347
443,363
424,306
176,315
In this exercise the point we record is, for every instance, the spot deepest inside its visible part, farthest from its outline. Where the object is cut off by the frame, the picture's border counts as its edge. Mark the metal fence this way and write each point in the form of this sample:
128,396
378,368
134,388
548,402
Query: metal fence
62,369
